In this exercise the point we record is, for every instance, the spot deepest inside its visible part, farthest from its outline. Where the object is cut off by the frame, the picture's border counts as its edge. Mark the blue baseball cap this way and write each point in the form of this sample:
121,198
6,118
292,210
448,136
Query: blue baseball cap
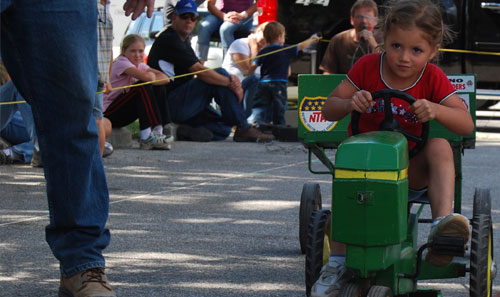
184,6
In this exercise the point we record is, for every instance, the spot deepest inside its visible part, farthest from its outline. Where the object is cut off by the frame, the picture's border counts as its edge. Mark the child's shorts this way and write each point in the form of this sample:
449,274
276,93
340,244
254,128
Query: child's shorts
418,196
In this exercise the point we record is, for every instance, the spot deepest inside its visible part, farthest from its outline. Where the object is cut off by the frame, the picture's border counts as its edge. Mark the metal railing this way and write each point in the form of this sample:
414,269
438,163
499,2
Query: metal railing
486,94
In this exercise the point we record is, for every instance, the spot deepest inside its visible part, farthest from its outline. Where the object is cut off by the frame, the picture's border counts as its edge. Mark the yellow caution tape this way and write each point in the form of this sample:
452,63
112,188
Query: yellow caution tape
451,50
12,102
180,75
248,59
468,52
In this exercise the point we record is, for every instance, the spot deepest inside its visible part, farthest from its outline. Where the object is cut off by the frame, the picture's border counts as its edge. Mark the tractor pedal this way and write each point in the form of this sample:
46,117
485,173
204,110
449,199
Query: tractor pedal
454,246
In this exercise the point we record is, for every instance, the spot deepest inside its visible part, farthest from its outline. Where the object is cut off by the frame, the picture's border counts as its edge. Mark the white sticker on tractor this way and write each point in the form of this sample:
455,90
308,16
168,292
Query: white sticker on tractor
311,116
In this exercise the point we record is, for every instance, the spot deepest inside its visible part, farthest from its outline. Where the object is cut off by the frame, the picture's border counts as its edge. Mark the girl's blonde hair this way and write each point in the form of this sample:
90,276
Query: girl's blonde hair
129,40
423,14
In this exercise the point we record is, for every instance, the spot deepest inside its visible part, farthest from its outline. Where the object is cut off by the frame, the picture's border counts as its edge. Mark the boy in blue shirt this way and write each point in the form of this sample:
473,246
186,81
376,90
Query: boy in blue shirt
270,100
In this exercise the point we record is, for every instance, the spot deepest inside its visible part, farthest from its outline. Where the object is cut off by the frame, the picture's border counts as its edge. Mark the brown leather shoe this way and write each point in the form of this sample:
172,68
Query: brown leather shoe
89,283
251,135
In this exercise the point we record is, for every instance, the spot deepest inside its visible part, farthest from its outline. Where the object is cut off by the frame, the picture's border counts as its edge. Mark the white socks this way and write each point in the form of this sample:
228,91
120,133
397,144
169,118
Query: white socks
437,220
340,259
158,129
145,133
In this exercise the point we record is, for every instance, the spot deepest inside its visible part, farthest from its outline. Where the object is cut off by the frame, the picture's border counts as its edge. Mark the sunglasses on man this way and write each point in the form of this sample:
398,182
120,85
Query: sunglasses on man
366,17
191,16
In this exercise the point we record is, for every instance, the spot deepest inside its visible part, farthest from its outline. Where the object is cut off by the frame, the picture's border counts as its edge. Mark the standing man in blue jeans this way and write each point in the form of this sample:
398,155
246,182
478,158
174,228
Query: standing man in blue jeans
50,51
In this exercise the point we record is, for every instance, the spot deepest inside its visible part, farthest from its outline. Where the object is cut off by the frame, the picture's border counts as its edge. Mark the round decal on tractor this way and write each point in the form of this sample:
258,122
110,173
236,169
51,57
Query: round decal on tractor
311,117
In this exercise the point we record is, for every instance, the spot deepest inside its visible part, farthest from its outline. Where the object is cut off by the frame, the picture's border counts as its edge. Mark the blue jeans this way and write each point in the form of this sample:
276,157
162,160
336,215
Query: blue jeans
189,104
9,92
249,85
226,31
270,103
15,132
50,51
97,109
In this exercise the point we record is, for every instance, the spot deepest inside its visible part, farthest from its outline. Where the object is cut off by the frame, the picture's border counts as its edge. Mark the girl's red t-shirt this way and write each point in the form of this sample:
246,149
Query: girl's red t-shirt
366,74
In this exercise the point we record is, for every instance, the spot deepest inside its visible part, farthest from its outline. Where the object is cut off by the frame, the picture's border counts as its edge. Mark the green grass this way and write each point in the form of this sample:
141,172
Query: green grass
134,129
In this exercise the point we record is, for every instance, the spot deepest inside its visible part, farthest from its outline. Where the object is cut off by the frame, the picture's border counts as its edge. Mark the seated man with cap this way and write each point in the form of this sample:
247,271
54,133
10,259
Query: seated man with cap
189,97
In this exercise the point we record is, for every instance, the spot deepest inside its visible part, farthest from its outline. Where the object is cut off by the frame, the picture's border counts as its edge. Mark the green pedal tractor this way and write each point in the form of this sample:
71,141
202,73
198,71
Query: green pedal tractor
370,211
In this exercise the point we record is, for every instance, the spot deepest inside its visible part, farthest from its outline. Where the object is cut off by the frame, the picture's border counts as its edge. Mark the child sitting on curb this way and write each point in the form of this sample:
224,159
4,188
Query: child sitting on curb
145,102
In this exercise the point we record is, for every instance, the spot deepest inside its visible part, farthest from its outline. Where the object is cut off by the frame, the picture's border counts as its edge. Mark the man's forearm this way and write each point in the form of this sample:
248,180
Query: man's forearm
213,78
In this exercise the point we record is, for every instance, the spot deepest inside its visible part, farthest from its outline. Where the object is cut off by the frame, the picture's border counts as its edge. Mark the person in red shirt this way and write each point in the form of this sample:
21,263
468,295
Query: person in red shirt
413,32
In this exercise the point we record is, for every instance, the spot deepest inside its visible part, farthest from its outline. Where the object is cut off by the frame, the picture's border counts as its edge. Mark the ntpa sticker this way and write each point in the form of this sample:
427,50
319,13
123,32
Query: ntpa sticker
311,117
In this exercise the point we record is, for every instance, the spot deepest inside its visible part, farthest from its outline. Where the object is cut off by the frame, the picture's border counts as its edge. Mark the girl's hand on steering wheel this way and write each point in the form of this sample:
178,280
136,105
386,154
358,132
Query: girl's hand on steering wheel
424,110
361,101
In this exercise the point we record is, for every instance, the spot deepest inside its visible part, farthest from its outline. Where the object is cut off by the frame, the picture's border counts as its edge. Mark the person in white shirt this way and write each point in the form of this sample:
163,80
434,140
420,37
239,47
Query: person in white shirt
244,50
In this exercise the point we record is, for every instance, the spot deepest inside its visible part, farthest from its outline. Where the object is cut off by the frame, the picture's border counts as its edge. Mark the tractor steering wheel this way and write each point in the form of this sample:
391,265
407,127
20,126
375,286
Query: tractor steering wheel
390,123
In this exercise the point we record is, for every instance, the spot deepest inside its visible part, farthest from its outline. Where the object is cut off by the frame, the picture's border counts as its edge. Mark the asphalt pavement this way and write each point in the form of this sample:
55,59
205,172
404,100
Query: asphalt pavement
204,219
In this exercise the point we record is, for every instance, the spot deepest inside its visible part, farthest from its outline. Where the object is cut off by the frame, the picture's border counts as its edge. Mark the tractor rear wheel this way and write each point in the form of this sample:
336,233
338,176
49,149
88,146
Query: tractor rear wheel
482,266
318,246
351,290
310,200
380,291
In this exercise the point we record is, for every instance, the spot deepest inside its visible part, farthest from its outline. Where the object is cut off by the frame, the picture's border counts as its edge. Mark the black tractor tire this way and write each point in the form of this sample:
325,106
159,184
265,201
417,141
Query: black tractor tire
482,202
380,291
482,266
310,200
351,290
319,231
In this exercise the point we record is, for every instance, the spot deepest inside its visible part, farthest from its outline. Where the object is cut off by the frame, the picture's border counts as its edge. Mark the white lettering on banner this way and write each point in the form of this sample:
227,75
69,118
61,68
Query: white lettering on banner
318,2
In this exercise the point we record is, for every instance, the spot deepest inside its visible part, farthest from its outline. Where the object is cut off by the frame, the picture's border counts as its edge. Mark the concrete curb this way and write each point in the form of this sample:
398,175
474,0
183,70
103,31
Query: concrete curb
120,138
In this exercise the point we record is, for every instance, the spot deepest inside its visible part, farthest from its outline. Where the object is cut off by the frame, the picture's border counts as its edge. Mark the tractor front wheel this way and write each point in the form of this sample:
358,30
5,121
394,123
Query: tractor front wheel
318,246
482,266
310,200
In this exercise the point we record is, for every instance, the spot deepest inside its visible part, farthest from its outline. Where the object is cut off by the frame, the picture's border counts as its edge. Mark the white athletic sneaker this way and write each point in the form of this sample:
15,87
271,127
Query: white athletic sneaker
333,277
453,225
108,150
156,141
